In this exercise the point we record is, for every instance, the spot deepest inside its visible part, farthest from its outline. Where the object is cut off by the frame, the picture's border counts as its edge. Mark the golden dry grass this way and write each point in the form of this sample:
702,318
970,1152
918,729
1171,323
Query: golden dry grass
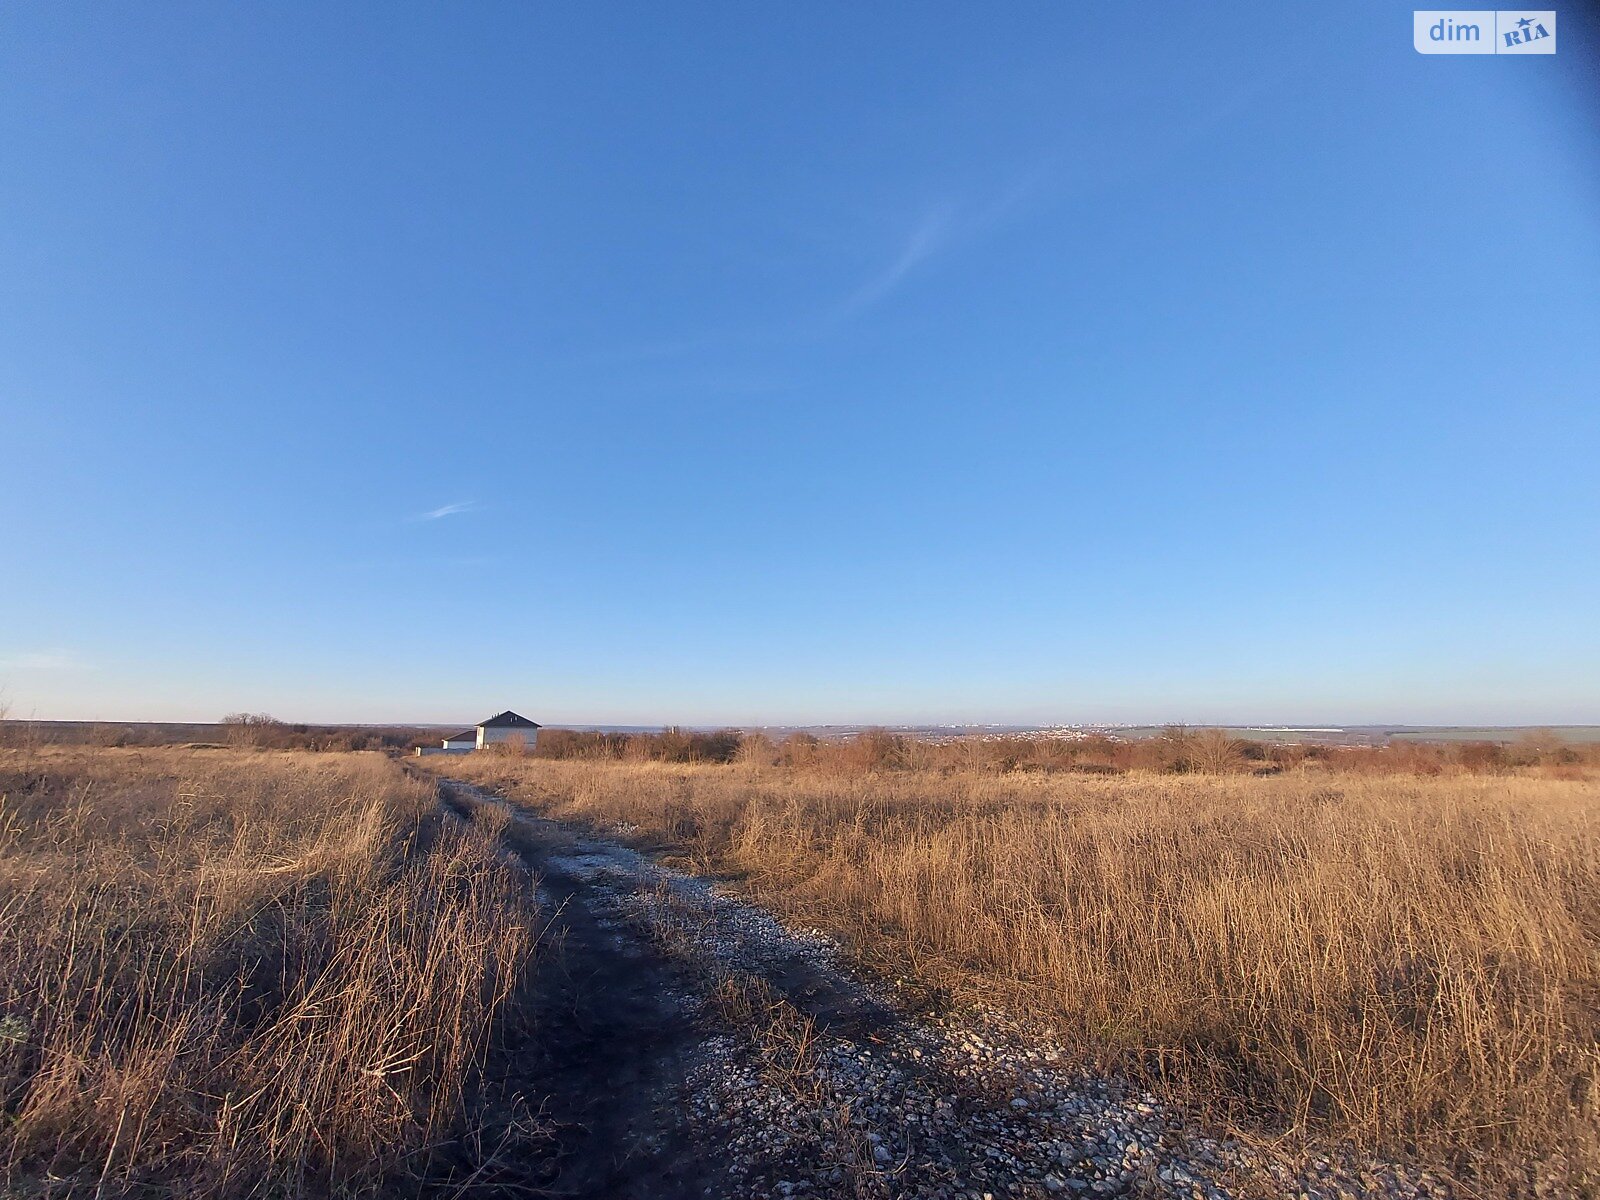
233,973
1408,961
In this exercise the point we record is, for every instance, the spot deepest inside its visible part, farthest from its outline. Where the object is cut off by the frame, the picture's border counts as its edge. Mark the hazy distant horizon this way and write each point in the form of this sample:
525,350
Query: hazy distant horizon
893,725
1531,712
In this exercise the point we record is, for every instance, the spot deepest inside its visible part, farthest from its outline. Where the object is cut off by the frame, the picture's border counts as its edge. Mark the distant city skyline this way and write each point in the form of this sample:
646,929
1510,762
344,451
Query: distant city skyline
716,364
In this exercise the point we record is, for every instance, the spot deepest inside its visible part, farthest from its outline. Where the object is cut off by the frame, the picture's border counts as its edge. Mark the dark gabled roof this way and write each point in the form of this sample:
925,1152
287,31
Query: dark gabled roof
467,734
509,719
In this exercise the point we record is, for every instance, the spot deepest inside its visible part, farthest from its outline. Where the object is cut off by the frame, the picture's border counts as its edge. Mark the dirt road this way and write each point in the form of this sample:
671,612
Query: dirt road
688,1044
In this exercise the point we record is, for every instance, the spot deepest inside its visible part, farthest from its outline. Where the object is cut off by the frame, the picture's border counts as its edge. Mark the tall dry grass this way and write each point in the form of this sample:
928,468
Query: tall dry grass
235,973
1404,960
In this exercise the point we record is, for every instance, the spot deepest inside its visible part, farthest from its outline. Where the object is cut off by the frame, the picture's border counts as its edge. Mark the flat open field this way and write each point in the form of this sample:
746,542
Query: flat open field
1406,961
237,972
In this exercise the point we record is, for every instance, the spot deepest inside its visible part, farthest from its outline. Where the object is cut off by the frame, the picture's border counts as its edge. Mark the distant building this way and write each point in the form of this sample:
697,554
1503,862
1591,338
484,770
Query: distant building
507,727
497,730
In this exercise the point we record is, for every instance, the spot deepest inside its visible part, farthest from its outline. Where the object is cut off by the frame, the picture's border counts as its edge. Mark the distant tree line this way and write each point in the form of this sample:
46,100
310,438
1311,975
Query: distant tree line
1176,751
259,730
670,745
266,732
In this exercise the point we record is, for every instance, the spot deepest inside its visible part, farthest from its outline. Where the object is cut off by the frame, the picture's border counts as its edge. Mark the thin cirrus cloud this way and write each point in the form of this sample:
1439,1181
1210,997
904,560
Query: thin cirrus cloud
940,228
943,226
925,239
448,510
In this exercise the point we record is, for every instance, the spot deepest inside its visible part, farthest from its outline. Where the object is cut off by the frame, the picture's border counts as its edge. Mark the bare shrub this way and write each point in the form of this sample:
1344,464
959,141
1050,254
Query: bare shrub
112,735
514,746
799,750
757,750
1215,752
1482,756
251,729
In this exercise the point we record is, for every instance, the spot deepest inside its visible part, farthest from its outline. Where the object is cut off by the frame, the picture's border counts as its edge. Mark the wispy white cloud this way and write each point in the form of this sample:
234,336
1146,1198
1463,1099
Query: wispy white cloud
944,226
448,510
938,227
42,660
923,240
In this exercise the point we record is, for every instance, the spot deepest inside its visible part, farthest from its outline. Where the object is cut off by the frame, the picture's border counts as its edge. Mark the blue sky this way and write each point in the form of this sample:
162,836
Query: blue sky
771,363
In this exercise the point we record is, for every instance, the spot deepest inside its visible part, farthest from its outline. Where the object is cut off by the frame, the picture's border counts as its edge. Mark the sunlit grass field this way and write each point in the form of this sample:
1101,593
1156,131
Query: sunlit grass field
1409,961
237,973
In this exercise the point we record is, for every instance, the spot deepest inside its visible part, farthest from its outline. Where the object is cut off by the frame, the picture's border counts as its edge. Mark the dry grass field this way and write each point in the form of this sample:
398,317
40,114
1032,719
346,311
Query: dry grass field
1406,960
234,973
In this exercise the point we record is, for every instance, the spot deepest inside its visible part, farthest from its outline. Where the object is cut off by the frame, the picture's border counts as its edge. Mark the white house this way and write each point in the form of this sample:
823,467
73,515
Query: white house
506,727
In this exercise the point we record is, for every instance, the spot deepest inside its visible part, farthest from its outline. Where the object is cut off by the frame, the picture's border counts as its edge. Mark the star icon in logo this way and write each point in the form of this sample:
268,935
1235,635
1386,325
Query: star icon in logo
1525,22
